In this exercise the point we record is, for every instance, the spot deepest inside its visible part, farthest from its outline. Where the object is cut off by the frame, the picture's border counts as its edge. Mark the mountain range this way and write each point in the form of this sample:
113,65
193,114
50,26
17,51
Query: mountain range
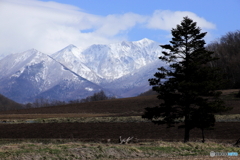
119,69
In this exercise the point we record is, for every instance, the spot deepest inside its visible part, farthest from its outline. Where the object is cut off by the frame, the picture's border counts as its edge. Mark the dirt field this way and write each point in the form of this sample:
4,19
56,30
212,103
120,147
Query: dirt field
118,107
96,131
101,131
103,136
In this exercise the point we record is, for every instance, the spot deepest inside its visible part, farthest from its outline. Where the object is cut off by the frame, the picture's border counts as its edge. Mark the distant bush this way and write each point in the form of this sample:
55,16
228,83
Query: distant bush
99,96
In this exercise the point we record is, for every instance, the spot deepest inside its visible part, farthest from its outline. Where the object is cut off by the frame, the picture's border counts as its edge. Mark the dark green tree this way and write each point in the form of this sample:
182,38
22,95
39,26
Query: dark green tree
188,86
202,119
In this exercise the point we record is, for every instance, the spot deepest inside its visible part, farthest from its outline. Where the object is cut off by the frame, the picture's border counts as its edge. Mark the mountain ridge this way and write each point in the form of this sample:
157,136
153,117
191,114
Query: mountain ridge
127,56
37,74
73,73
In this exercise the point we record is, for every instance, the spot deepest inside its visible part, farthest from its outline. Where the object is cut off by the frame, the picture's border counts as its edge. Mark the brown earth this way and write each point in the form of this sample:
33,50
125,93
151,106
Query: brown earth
100,131
126,106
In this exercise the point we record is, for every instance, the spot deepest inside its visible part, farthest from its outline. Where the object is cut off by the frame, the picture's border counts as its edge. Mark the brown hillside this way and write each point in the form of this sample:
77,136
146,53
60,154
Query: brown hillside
8,104
124,106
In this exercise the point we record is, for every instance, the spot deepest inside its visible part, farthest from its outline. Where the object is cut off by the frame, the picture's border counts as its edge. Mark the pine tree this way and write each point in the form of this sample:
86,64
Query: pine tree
188,86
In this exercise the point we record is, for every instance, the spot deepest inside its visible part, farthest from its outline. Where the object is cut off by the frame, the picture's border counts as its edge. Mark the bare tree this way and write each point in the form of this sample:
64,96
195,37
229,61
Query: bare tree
227,49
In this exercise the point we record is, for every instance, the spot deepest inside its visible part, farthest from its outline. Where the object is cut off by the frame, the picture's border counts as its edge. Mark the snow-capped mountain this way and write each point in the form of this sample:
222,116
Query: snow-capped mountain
71,58
134,83
116,60
3,55
122,69
31,74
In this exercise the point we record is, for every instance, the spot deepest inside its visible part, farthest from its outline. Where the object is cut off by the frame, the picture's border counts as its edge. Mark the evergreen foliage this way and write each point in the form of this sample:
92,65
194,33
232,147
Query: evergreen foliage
188,87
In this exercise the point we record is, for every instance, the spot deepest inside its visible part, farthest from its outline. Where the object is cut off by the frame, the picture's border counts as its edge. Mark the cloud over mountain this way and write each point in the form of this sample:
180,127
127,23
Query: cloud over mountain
50,26
166,20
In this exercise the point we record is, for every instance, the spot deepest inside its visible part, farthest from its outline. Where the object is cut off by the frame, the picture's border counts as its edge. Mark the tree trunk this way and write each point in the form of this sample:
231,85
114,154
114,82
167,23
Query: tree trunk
186,135
187,129
203,140
186,121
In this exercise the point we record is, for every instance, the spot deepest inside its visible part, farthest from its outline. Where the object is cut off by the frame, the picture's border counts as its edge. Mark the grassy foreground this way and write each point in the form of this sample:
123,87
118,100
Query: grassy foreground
89,118
67,149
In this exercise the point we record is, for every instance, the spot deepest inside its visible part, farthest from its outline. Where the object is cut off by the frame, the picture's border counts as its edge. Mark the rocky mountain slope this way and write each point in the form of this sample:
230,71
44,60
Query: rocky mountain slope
120,69
32,74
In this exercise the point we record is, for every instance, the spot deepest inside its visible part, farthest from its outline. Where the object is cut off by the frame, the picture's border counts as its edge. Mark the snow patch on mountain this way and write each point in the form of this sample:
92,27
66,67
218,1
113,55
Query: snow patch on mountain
71,58
116,60
31,74
119,69
134,83
89,89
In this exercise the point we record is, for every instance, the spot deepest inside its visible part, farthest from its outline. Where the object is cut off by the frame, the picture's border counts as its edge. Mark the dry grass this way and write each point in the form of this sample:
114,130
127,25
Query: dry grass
66,115
79,150
119,110
189,158
89,118
229,91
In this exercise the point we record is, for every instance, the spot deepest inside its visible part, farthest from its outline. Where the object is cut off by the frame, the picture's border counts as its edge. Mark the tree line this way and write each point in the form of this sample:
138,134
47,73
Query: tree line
98,96
41,102
227,49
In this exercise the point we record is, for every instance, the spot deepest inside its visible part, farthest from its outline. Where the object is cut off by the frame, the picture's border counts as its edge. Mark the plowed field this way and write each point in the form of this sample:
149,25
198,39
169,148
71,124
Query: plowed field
125,106
103,131
99,131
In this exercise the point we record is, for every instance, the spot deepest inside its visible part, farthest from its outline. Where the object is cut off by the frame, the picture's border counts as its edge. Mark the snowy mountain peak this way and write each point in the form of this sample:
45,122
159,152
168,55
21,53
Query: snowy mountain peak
71,57
27,75
126,43
69,47
117,59
70,51
144,42
78,72
16,62
32,51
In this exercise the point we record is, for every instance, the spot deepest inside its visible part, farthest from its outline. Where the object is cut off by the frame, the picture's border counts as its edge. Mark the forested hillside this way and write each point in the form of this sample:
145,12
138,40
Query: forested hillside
227,49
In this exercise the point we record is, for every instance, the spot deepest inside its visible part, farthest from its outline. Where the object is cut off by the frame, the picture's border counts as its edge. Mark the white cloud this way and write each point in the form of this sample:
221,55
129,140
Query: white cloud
50,26
47,26
113,24
166,20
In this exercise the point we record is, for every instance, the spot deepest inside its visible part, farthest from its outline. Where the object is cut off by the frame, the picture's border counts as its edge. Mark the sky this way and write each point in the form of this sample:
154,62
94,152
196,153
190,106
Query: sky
49,26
